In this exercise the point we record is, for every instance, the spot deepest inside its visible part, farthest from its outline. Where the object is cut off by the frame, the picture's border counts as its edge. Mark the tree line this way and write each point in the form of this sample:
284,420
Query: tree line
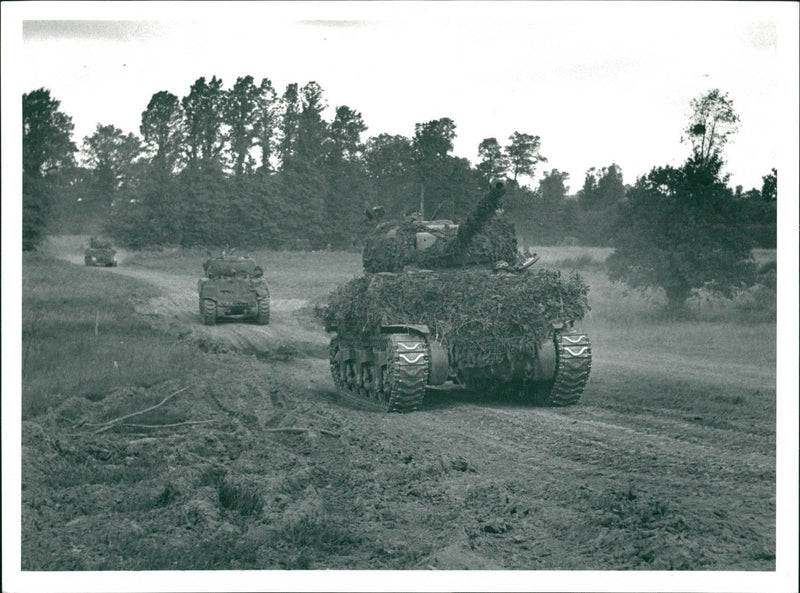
246,166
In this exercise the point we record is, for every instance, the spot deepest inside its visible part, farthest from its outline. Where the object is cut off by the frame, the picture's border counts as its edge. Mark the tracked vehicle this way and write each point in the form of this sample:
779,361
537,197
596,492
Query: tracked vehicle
100,253
233,287
441,302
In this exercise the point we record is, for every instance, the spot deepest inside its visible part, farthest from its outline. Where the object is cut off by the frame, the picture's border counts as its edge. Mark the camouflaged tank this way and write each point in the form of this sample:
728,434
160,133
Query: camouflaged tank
445,302
233,287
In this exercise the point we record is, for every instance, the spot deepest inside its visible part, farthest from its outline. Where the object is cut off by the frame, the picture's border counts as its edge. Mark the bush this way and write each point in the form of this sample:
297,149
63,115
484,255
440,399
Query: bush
680,231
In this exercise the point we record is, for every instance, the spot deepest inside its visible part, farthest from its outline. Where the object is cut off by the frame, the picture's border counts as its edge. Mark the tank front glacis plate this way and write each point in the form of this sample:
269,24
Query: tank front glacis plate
231,292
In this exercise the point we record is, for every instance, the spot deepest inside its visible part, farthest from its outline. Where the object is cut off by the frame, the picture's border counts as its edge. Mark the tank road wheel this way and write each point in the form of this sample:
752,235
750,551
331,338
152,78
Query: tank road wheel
366,383
406,373
209,312
342,371
263,310
336,366
394,376
572,366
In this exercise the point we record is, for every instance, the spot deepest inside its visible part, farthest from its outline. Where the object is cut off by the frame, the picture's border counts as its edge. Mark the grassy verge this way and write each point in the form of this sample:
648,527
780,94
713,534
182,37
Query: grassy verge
81,337
615,302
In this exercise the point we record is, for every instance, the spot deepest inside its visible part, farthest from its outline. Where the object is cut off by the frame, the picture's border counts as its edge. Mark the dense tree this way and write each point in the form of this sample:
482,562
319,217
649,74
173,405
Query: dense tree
305,189
347,181
389,162
769,187
554,188
433,140
388,157
312,131
289,123
603,188
267,116
111,154
523,154
758,210
713,121
239,114
681,232
323,172
345,134
47,149
46,134
599,199
554,217
203,134
752,194
680,228
161,130
432,144
542,215
153,212
494,163
454,191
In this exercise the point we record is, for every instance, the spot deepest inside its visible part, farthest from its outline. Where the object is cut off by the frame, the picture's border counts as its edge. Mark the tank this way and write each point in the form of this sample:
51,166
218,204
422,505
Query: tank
441,302
233,287
100,253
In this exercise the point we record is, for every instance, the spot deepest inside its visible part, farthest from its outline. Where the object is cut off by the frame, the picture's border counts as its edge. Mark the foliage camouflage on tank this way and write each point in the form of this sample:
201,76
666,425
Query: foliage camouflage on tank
394,246
441,243
459,302
481,313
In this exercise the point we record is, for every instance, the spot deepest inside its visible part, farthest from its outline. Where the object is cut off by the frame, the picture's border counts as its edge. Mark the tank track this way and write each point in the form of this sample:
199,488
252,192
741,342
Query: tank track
408,359
573,365
394,377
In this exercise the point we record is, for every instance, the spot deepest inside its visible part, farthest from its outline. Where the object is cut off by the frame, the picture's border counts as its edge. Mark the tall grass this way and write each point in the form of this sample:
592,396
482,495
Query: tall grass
82,338
616,302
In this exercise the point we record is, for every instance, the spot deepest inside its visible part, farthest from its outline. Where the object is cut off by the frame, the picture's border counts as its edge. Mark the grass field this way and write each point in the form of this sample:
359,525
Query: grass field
291,274
82,339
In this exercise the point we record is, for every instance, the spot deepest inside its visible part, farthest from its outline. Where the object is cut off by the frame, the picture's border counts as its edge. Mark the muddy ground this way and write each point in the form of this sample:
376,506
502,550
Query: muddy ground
268,467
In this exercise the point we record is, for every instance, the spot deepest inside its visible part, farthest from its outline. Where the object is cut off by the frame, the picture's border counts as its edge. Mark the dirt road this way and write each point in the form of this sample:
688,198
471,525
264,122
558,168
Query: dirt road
618,481
177,309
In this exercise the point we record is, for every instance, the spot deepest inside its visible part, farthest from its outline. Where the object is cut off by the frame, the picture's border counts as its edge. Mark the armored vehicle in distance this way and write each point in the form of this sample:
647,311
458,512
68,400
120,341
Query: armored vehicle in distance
452,302
233,287
100,253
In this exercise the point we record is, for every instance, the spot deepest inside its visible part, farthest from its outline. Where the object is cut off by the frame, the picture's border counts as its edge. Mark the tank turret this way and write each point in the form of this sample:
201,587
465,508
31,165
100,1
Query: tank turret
438,244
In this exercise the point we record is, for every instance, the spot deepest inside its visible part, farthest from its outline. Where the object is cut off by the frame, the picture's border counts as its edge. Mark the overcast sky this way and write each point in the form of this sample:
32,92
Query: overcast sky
600,83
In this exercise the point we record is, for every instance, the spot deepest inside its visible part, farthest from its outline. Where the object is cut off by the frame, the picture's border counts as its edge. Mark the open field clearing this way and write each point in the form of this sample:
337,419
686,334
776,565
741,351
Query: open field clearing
153,442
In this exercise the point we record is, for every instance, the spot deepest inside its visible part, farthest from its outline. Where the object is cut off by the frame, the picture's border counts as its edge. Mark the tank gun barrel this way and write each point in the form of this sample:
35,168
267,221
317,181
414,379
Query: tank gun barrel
479,217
